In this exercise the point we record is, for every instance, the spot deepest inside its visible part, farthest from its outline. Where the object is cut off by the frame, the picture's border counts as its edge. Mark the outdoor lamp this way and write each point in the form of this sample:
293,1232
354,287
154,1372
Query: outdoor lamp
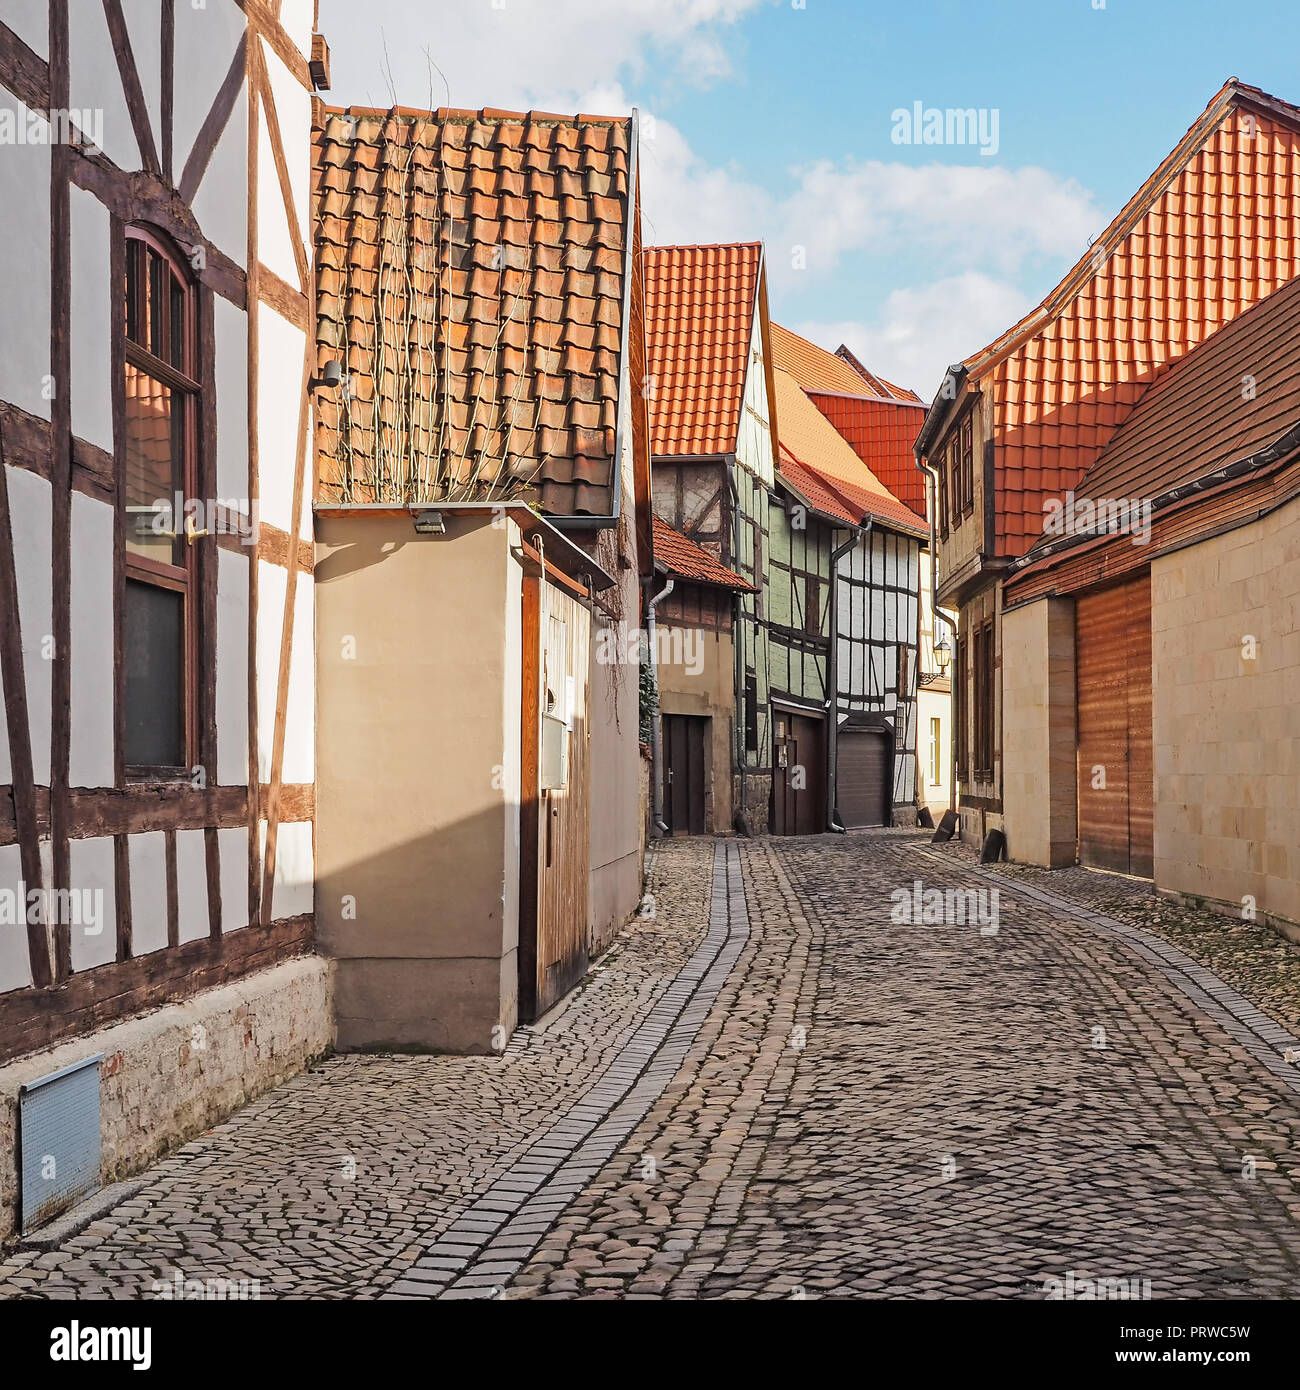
942,654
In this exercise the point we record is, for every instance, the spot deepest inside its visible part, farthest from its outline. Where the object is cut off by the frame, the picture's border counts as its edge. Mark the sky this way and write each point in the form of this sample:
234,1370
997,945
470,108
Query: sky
791,122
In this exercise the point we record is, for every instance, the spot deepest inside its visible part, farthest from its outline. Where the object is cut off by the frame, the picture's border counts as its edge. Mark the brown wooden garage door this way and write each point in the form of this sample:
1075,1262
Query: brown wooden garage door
1116,771
862,777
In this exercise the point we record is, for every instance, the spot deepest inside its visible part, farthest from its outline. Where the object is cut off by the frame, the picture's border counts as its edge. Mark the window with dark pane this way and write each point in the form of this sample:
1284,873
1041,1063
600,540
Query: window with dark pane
160,404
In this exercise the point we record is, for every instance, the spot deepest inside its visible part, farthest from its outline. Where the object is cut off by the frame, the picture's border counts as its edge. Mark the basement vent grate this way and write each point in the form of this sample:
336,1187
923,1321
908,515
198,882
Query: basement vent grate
59,1140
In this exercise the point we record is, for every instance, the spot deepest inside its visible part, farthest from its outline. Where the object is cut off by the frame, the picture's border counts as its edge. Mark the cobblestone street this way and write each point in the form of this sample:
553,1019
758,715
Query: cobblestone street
771,1089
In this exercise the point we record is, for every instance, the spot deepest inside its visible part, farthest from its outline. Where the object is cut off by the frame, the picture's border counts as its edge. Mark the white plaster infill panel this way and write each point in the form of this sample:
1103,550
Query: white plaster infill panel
92,884
24,279
93,692
147,855
192,885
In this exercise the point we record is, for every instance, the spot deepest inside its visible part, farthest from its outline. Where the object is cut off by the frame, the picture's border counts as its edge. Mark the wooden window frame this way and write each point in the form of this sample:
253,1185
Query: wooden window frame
961,705
952,461
985,687
184,383
941,472
967,465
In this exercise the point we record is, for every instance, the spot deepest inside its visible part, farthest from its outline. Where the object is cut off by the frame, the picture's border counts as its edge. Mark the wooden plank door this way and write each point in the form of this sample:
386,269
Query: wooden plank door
685,742
1115,760
799,777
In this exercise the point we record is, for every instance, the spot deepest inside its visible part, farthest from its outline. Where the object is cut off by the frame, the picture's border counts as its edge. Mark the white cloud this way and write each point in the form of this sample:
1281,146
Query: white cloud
922,330
974,216
542,54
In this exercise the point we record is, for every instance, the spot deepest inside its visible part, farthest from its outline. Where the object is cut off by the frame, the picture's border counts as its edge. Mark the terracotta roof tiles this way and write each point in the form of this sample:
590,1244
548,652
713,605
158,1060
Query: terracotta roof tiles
810,439
676,554
470,275
700,303
1215,229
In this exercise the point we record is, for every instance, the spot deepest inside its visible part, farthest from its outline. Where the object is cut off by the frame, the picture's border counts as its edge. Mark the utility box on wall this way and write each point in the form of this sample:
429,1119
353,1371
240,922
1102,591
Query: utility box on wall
59,1140
555,753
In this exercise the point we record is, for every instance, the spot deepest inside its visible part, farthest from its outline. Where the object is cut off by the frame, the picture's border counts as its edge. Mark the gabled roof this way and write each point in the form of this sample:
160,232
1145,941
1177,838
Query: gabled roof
675,554
1214,229
1225,401
472,274
875,380
878,426
815,445
700,305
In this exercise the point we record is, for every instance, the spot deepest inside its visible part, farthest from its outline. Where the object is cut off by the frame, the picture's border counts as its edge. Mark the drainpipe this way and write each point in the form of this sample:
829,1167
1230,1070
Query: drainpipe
738,655
656,734
833,679
932,478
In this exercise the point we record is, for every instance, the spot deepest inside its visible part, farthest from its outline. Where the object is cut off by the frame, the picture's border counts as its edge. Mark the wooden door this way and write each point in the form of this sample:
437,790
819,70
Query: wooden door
685,742
799,777
555,827
862,787
1115,759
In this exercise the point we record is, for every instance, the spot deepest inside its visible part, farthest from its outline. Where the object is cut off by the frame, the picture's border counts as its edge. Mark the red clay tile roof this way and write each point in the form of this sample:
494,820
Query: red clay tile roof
1215,229
675,554
470,274
699,323
810,439
879,427
1230,398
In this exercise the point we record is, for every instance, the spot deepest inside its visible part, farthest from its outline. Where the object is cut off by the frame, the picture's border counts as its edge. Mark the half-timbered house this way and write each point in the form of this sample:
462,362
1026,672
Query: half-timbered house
156,595
871,544
708,386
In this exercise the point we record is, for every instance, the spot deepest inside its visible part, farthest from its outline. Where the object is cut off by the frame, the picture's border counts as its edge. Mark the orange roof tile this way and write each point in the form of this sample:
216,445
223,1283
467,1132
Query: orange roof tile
812,441
675,554
700,304
1214,229
879,427
470,275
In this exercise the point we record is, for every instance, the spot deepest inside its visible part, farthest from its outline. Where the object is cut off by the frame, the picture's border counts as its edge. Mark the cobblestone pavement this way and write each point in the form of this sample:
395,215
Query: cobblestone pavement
773,1089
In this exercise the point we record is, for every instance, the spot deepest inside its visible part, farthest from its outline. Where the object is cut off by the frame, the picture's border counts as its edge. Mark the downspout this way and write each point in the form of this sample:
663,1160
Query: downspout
833,679
656,734
932,477
738,655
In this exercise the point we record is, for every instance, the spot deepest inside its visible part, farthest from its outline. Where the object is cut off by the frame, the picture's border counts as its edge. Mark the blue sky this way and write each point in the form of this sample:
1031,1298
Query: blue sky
772,120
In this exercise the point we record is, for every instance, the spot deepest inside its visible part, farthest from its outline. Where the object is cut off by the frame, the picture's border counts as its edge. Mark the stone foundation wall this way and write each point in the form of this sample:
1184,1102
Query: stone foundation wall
181,1069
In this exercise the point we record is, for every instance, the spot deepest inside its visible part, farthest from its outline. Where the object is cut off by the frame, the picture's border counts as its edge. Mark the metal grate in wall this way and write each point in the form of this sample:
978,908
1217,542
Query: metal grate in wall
59,1140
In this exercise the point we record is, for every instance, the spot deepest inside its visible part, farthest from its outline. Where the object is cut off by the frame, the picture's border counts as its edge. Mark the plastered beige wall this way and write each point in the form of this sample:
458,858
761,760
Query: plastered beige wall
1227,726
418,784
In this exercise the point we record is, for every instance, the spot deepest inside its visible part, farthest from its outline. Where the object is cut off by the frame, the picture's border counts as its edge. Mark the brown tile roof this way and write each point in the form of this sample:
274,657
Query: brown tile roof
813,367
1215,229
471,270
700,304
675,554
810,439
1226,400
875,380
